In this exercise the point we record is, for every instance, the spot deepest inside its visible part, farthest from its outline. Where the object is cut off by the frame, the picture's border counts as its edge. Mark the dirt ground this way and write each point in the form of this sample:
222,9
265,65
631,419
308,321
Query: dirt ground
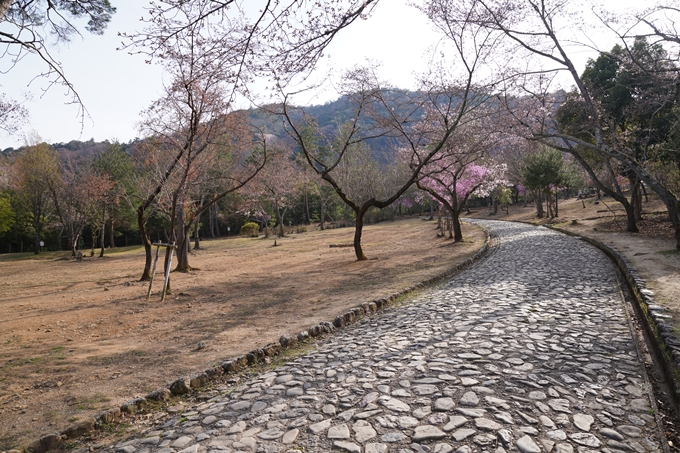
79,337
651,251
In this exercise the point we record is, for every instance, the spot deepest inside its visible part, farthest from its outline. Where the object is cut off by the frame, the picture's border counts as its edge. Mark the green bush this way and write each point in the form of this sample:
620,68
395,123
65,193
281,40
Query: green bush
250,229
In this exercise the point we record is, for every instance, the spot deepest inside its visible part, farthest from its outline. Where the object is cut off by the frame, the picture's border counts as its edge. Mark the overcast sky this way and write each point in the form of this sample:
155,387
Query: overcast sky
116,86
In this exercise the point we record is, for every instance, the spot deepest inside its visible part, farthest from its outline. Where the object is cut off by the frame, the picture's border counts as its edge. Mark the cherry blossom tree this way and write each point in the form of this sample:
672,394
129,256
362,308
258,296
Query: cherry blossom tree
452,183
419,125
546,36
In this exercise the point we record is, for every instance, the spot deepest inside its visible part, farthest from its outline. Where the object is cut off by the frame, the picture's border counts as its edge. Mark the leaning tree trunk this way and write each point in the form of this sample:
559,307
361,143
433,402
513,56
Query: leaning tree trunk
357,234
73,244
146,274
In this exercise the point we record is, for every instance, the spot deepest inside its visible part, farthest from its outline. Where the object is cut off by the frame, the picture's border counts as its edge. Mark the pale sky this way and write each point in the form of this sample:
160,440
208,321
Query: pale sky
115,86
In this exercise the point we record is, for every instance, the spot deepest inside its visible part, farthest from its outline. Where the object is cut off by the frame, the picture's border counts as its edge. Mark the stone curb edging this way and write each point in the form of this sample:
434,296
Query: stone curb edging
665,345
186,384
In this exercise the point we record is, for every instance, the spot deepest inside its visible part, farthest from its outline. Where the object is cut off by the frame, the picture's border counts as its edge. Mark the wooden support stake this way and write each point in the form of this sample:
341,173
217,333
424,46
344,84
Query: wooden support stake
167,273
153,271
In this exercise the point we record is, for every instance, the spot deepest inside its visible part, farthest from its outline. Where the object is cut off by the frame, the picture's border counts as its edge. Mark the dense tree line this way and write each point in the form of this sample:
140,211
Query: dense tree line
474,128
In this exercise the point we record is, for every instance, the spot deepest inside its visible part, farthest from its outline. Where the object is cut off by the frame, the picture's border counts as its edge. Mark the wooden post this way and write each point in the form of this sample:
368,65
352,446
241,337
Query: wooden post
167,272
158,245
153,271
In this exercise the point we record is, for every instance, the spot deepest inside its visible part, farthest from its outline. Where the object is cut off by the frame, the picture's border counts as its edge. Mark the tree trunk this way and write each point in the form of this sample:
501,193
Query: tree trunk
197,243
101,239
182,253
146,274
449,224
211,221
112,243
357,234
457,230
307,216
616,195
323,214
182,235
538,200
73,244
217,223
279,216
36,242
636,199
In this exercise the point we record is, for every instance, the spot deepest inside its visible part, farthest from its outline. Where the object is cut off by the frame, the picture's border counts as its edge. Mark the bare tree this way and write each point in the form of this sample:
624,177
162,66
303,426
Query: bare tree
541,33
344,161
71,194
12,114
286,36
194,134
31,27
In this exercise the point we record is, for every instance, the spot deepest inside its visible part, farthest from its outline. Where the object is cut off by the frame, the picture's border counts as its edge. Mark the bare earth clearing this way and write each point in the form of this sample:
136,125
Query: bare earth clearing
79,337
651,251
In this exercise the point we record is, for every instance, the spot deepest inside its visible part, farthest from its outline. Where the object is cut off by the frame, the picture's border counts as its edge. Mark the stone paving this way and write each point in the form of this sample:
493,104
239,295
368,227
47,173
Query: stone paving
529,350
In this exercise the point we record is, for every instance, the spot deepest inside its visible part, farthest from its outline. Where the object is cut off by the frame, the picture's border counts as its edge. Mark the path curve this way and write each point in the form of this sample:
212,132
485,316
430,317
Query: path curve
528,350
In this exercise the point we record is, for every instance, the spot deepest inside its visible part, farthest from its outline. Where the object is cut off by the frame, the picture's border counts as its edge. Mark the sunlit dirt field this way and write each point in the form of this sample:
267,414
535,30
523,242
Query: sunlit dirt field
79,337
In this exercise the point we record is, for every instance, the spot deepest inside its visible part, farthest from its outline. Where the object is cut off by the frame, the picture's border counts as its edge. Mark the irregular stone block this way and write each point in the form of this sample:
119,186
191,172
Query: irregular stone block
46,443
109,416
181,386
79,429
215,372
271,349
288,341
132,406
198,380
160,394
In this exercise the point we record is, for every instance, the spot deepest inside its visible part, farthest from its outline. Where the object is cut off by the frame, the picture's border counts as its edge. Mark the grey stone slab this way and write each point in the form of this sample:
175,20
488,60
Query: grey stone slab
428,432
527,445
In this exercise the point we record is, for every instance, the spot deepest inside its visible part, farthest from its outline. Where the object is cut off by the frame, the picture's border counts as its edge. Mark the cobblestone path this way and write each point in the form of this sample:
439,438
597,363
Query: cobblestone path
530,350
